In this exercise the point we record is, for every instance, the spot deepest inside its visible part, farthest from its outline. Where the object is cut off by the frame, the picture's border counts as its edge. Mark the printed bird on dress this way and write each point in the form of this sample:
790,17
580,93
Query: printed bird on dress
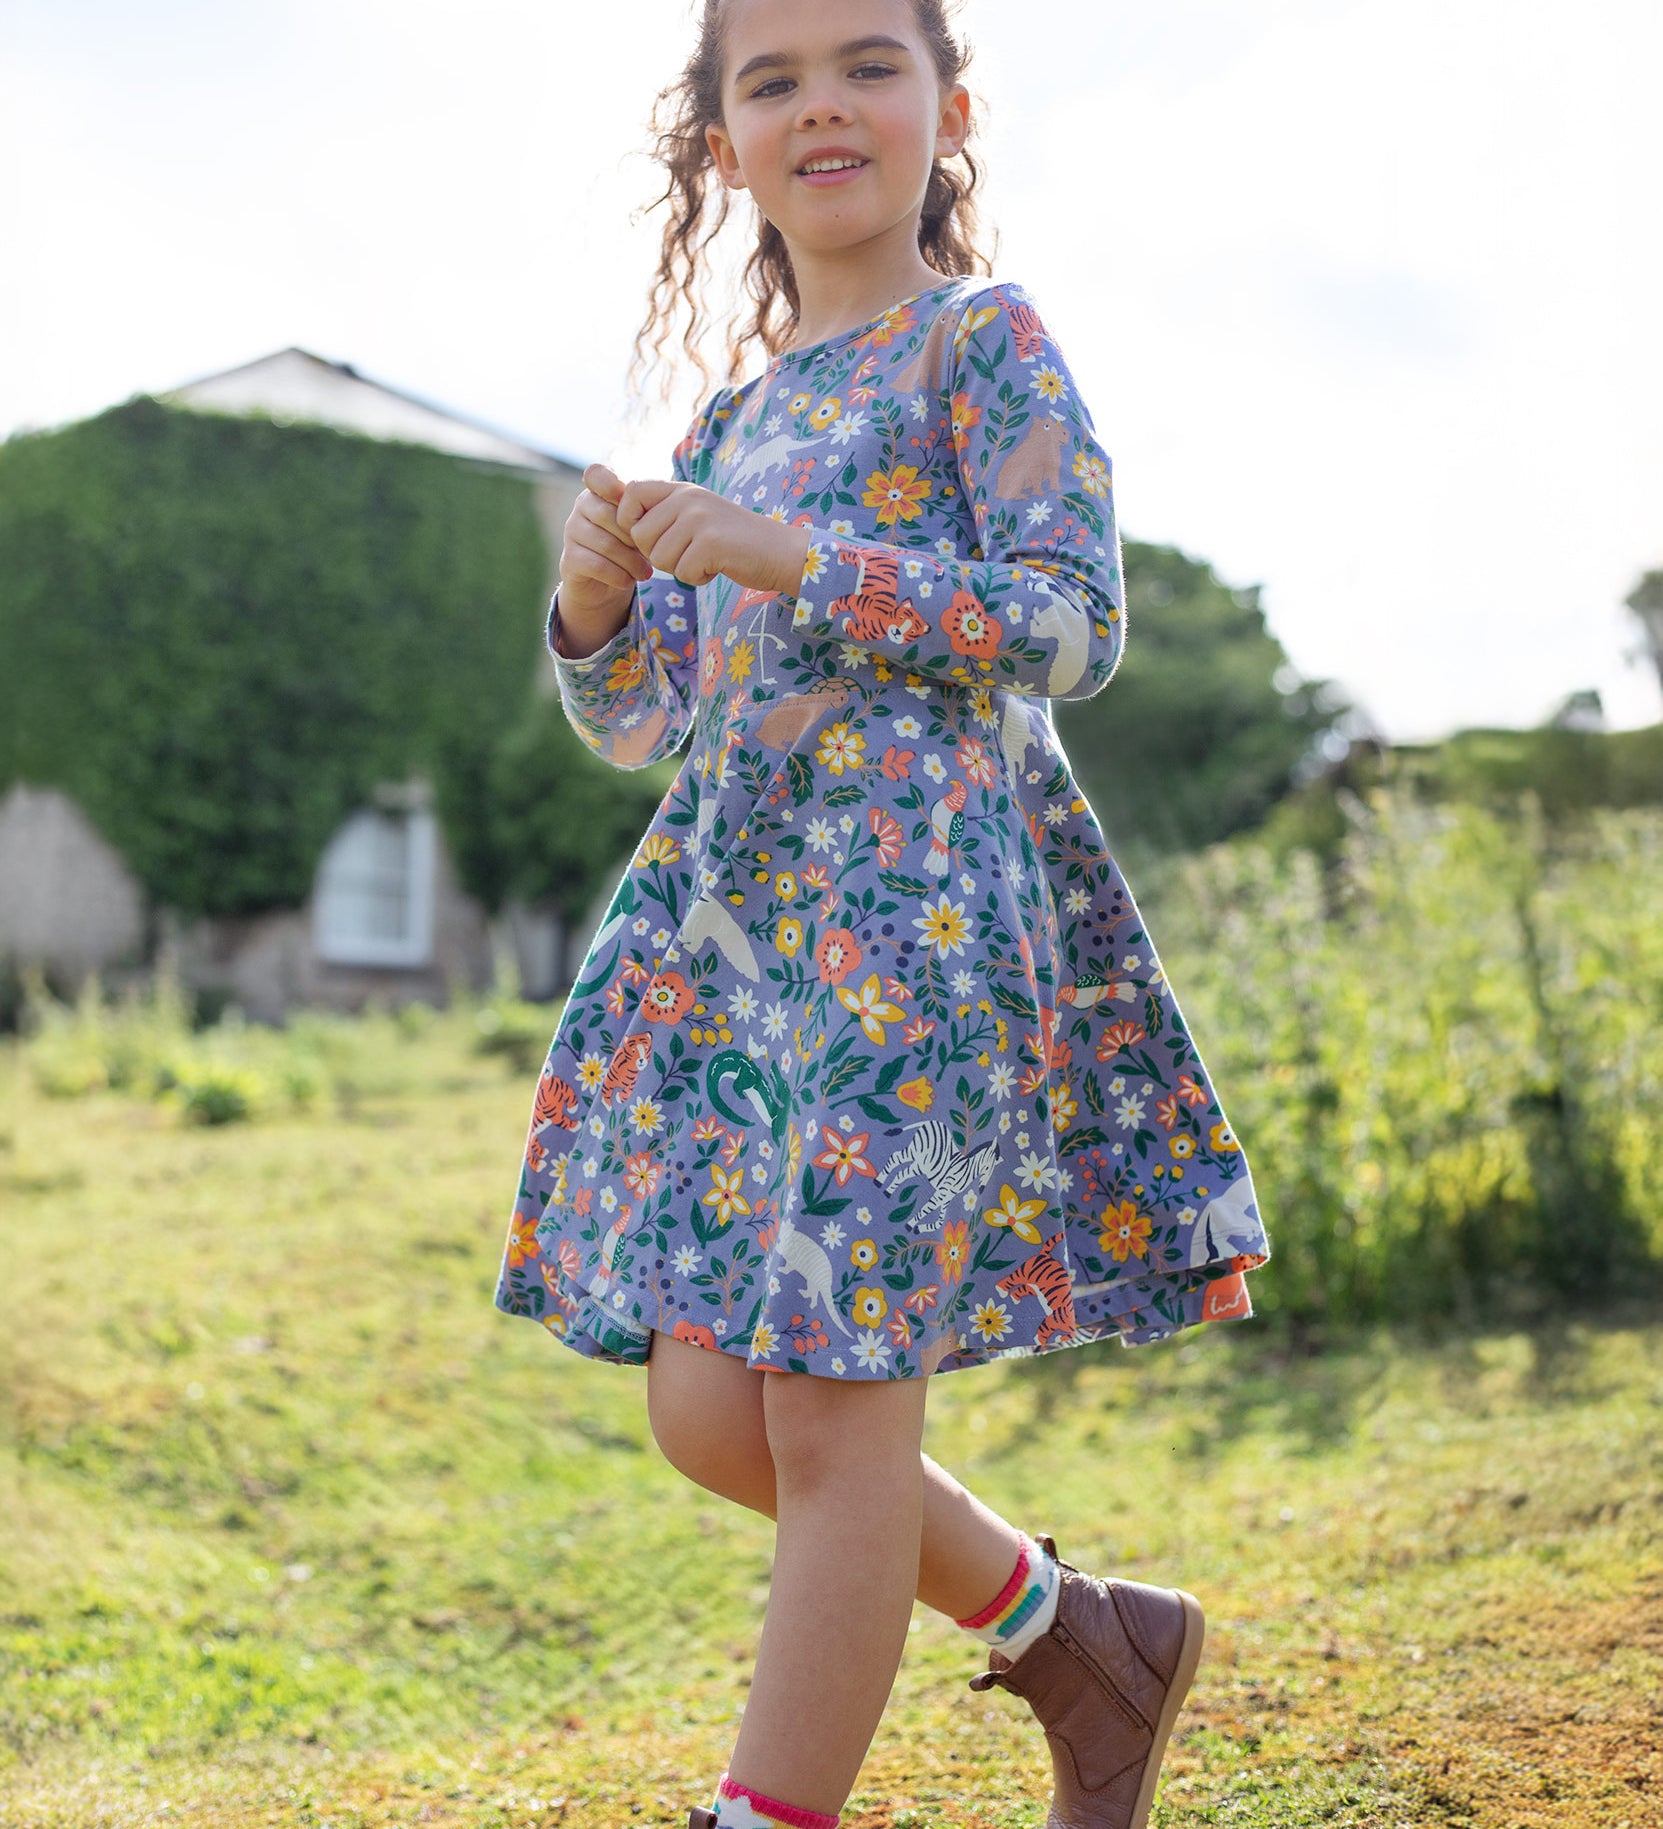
946,829
1092,987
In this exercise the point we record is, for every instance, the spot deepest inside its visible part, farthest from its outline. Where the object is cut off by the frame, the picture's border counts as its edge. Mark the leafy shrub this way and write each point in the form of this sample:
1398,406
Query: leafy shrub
1444,1057
212,1092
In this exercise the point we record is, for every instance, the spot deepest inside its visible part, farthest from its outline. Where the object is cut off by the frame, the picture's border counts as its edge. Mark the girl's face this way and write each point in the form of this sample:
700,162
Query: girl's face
812,85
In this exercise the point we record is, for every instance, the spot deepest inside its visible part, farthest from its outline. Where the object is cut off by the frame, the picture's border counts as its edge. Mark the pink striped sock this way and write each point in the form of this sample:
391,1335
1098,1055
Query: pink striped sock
737,1806
1024,1607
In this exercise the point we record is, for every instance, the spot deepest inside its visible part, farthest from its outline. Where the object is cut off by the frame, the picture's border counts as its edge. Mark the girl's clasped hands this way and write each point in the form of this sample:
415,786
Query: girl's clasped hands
619,533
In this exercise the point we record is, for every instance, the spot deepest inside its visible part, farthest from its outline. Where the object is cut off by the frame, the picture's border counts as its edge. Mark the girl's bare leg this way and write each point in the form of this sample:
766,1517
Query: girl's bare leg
850,1508
707,1413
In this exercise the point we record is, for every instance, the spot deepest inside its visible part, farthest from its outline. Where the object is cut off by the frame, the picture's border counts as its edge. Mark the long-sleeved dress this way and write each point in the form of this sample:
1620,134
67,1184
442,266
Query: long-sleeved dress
870,1069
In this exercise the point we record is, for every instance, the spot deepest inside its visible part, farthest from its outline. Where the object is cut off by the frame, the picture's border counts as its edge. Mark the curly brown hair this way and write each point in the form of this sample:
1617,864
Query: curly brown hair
947,227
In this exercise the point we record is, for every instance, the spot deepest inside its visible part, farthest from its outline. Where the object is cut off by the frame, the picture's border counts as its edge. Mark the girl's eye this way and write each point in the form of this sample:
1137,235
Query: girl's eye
778,85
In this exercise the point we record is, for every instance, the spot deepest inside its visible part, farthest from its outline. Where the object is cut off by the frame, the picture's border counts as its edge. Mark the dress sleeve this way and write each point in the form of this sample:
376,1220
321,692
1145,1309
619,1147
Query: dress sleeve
1038,607
633,700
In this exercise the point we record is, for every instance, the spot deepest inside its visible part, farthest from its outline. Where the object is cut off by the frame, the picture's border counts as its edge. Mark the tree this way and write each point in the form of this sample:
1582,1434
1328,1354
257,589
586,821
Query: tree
1201,730
1646,601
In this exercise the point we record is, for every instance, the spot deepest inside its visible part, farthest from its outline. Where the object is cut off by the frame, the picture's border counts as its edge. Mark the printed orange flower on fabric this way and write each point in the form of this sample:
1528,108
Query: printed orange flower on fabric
667,998
837,953
642,1174
891,839
952,1249
1118,1037
1125,1231
522,1246
970,626
896,320
897,494
844,1155
965,415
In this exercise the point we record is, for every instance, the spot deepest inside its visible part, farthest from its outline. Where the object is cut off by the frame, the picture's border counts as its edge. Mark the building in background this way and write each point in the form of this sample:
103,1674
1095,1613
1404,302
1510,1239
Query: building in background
386,918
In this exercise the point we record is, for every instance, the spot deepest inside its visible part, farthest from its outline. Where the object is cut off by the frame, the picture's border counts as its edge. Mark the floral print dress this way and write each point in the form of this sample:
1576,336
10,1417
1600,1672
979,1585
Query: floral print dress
871,1070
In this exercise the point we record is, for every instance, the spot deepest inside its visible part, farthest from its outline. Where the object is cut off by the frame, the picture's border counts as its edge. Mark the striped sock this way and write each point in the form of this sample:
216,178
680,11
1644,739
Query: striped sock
737,1806
1024,1607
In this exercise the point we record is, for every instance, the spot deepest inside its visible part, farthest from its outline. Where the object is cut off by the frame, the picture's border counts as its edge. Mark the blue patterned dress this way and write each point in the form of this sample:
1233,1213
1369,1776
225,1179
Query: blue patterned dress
871,1069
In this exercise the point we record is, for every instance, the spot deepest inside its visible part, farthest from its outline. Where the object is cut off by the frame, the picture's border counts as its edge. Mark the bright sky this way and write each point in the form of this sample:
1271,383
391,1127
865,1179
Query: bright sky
1363,294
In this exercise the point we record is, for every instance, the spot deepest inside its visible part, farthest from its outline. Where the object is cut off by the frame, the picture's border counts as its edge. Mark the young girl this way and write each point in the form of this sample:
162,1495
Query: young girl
870,1073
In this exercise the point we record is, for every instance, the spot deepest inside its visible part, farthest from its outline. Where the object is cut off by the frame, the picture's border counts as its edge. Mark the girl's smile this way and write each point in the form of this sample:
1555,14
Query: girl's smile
836,165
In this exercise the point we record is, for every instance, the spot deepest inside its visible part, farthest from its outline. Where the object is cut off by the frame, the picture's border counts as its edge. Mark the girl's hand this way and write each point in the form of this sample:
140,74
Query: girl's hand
693,534
600,565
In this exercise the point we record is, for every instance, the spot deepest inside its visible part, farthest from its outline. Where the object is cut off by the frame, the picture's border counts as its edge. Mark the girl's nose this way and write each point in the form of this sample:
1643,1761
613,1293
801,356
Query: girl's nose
821,109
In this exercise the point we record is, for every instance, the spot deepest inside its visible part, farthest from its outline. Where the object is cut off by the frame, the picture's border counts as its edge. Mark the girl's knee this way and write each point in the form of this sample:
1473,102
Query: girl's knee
705,1411
823,1430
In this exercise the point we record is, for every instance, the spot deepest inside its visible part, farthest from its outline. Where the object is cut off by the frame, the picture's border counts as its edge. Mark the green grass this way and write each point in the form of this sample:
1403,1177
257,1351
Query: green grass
299,1530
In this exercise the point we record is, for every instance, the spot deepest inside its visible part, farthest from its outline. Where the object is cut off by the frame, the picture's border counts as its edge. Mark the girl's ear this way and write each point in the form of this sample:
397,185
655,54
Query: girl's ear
954,127
722,155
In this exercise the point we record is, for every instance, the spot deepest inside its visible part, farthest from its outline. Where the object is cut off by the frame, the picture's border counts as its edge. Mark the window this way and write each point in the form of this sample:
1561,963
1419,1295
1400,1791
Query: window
373,900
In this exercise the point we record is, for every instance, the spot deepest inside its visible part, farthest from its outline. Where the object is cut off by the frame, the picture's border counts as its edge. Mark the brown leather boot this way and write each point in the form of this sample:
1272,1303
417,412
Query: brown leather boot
1106,1682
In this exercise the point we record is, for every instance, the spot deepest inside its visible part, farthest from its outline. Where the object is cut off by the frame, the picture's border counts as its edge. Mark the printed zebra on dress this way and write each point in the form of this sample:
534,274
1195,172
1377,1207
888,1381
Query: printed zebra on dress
950,1171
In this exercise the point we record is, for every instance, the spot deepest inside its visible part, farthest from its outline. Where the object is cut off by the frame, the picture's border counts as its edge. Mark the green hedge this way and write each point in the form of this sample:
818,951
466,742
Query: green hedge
221,634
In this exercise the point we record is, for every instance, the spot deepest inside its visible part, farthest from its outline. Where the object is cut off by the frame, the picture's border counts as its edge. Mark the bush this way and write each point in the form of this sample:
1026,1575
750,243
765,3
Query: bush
211,1092
1444,1057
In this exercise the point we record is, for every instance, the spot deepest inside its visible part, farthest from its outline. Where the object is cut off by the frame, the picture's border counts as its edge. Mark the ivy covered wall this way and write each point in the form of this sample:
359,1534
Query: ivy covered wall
221,634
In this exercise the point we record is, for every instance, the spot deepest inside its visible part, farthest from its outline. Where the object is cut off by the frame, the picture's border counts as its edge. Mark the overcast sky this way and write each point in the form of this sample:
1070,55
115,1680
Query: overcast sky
1363,294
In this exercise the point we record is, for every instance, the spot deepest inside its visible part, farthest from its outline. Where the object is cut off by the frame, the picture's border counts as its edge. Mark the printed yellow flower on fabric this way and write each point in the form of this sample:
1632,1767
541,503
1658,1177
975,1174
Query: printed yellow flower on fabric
872,1007
659,848
727,1193
1125,1231
1017,1213
870,1306
1092,472
841,748
863,1253
979,319
992,1321
897,494
944,926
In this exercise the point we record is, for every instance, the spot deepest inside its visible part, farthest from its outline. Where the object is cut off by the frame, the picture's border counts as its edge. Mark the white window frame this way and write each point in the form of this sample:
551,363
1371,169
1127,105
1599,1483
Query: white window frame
352,876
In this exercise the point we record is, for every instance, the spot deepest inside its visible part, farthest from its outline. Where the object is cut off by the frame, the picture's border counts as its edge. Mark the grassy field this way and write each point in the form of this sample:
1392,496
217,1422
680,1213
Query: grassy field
298,1530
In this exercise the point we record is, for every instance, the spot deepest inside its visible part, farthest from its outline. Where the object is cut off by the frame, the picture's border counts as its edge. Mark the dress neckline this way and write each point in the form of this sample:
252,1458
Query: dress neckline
793,356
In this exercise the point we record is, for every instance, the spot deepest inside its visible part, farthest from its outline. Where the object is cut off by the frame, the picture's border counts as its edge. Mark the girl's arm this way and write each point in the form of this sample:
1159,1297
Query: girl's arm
1039,608
633,700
